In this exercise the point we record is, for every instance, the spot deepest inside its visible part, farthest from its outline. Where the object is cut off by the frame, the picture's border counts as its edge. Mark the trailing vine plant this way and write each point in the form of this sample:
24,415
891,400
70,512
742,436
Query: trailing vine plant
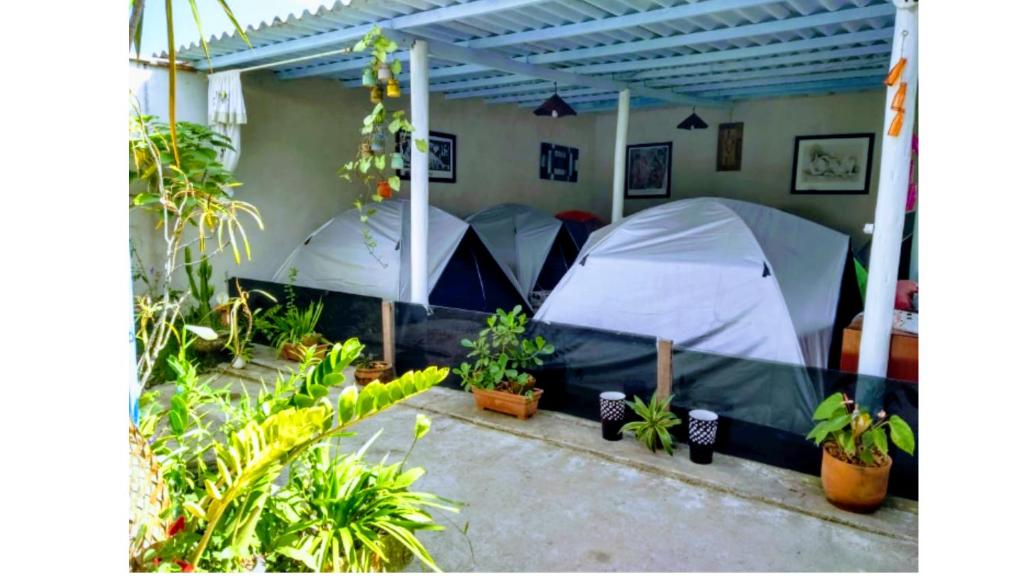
372,163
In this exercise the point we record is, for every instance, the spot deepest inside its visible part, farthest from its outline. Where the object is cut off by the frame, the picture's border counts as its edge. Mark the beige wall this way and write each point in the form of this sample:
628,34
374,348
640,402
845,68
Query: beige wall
769,129
300,132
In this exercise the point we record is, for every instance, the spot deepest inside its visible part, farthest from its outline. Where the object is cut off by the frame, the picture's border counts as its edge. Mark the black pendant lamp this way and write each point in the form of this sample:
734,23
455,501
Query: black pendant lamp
555,107
693,122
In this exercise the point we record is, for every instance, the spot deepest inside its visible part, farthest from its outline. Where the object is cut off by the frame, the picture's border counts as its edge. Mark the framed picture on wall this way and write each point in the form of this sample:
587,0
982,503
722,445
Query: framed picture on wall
730,146
442,151
649,170
559,163
834,164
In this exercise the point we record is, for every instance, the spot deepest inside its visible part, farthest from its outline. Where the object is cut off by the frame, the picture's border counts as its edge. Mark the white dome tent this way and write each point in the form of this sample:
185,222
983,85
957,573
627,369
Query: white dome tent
461,271
712,274
531,244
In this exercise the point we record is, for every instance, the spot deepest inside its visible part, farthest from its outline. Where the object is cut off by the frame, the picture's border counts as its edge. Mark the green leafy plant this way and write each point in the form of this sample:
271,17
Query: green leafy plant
184,186
373,162
221,471
291,324
502,356
343,514
201,290
858,437
656,419
241,319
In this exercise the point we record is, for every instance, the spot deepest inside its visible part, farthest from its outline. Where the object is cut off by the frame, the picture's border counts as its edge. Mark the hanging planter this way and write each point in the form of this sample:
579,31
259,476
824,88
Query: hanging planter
384,73
375,95
397,162
368,80
383,189
378,141
394,90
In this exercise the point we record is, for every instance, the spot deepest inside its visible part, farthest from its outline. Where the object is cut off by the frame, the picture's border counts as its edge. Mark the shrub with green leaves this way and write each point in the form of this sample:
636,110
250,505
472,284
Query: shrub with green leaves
860,438
656,419
502,356
343,514
220,460
291,324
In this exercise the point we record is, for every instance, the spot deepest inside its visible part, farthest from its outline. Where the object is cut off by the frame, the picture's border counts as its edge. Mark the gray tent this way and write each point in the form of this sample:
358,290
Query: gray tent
532,245
462,273
713,274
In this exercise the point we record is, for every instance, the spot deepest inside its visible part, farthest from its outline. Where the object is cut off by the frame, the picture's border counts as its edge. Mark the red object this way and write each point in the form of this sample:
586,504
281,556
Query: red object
579,216
176,526
185,566
905,290
384,189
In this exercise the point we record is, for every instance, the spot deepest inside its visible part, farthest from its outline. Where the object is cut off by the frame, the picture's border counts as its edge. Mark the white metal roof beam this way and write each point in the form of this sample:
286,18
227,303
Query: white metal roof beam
709,36
498,62
337,38
878,73
627,48
774,72
615,23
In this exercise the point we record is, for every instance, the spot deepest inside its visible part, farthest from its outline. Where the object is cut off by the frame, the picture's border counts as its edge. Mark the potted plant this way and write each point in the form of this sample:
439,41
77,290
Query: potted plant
293,330
498,377
855,462
656,418
370,369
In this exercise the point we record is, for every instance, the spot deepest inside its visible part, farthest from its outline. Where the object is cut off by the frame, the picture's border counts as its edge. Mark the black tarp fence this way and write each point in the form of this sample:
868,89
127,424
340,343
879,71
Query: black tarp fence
765,408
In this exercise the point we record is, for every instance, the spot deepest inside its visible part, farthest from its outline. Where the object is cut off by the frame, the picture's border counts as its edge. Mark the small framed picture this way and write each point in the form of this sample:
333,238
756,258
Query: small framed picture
730,146
442,156
649,170
559,162
834,164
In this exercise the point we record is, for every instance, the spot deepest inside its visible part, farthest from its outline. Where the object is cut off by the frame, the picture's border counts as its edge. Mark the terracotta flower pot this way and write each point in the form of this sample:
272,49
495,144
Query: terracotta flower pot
374,370
851,486
293,351
508,403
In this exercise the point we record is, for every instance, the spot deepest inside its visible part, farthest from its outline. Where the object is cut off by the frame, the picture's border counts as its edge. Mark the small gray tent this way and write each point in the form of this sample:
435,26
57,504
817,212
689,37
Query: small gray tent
532,245
462,273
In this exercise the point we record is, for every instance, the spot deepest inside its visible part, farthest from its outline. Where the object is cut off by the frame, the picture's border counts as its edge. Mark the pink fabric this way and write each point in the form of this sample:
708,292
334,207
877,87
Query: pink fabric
905,289
912,188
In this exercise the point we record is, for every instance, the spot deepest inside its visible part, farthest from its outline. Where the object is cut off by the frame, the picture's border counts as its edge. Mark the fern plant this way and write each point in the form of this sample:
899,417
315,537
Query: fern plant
656,419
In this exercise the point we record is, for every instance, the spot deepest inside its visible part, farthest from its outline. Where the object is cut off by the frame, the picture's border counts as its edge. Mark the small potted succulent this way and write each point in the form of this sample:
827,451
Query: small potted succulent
498,376
656,418
370,369
855,462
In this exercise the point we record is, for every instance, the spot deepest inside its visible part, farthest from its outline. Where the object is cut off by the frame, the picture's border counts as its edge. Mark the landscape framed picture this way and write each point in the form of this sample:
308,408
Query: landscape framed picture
833,164
649,170
730,147
442,149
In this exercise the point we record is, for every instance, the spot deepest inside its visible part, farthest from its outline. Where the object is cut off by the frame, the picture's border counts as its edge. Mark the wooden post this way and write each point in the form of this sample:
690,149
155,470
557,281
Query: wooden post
619,167
387,333
664,368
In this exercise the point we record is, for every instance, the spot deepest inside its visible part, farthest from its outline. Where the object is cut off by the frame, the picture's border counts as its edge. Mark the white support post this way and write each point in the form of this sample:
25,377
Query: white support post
134,390
419,176
893,178
619,175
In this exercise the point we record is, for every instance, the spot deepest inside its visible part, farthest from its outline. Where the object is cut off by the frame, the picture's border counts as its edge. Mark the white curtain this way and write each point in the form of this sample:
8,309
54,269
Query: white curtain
226,112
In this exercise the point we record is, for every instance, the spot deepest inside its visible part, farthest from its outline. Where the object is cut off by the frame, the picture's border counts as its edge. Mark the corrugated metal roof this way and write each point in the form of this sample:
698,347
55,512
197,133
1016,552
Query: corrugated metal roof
711,49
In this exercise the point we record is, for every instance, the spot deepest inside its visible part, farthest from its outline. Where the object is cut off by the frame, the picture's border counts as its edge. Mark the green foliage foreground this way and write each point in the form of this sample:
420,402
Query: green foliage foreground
220,461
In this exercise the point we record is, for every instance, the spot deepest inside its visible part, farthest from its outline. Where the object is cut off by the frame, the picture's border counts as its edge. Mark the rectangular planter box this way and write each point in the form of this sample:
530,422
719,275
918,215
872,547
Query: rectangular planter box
507,403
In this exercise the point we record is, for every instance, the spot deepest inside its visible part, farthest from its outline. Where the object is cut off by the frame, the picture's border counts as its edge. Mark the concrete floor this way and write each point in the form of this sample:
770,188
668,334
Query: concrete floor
536,507
549,495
